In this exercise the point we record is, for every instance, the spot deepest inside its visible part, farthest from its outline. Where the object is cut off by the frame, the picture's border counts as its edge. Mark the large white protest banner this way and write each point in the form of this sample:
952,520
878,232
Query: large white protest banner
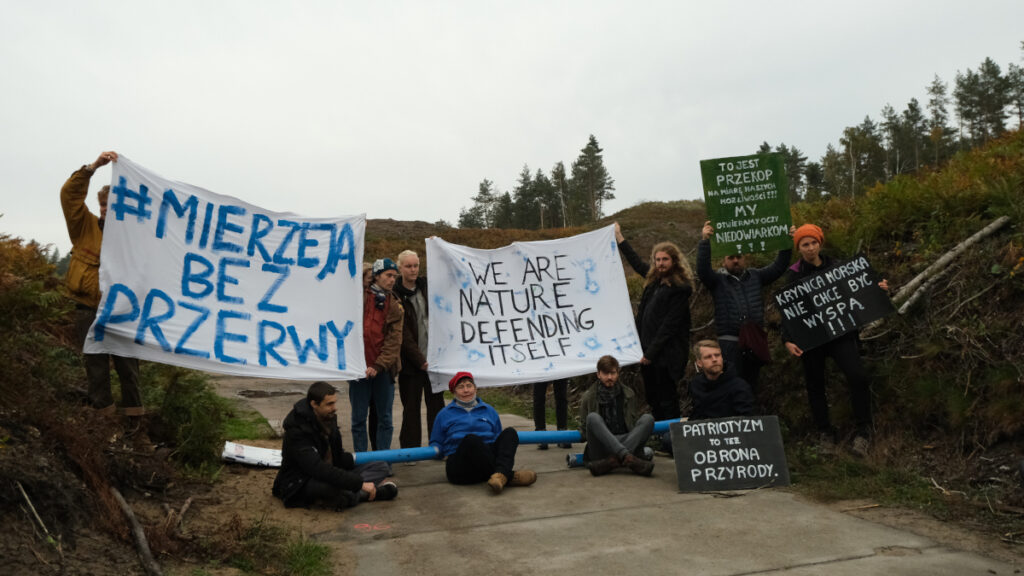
207,281
528,312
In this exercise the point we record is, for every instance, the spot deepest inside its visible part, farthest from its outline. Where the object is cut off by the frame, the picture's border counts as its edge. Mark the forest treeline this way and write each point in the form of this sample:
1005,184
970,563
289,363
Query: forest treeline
919,137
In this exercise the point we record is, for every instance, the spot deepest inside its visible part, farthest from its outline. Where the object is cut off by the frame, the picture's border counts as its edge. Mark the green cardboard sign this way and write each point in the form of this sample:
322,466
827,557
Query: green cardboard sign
747,199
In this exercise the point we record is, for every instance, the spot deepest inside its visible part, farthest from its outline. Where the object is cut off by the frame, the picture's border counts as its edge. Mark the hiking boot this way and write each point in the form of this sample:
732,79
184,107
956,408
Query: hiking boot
638,465
497,482
566,445
542,446
603,466
386,491
523,478
861,445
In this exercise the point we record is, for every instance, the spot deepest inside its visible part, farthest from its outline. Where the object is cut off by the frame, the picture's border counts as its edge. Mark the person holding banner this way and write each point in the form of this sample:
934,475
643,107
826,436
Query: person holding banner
83,284
383,317
413,382
315,468
663,322
468,433
844,351
612,425
736,291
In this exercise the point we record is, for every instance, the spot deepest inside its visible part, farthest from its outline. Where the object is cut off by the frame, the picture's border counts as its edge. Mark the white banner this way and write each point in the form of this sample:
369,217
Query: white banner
528,312
206,281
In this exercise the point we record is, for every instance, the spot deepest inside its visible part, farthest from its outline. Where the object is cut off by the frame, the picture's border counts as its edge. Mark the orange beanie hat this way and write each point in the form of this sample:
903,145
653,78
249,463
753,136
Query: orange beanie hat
805,231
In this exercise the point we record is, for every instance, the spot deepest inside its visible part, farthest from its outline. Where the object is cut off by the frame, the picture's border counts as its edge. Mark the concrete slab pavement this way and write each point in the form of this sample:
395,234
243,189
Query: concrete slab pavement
571,522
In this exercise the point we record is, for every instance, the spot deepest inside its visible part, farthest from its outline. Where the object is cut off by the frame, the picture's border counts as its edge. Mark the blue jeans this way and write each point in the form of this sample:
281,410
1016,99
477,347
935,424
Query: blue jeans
382,389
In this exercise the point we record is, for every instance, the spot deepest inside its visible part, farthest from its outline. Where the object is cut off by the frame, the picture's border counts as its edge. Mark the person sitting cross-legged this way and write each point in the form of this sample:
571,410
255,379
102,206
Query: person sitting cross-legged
468,433
315,468
612,426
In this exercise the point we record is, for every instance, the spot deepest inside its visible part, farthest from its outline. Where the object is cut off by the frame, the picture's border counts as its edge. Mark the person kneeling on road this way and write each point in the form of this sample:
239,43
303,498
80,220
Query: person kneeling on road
610,423
468,433
315,468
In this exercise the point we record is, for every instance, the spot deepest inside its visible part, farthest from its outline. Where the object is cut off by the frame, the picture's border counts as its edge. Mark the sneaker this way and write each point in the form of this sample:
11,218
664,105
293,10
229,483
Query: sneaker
523,478
566,445
860,446
386,491
603,466
542,446
648,453
497,482
638,466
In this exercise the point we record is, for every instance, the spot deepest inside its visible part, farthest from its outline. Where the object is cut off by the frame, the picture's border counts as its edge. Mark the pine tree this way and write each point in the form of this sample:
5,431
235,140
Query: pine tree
591,184
994,98
815,182
938,118
1015,78
914,129
560,182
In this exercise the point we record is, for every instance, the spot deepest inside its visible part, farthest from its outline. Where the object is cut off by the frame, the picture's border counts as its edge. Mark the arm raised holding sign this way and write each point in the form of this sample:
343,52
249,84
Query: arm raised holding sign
663,322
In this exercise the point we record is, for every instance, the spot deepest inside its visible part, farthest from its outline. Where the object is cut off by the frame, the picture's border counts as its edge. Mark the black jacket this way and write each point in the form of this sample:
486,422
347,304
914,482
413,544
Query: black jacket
662,319
738,298
302,451
728,396
412,357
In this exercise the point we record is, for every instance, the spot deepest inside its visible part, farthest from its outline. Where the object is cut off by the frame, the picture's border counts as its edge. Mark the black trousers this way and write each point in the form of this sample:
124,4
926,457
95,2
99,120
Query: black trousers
412,387
331,496
661,392
540,392
743,363
846,354
474,461
97,370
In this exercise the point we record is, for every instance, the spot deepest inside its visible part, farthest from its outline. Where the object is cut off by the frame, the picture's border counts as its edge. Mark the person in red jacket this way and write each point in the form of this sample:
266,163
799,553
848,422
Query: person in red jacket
382,339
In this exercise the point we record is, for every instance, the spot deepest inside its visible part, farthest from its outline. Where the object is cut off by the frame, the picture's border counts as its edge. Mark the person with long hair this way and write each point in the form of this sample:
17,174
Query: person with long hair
663,322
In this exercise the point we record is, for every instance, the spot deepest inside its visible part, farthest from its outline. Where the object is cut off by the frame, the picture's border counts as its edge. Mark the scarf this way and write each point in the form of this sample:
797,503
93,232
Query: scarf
609,407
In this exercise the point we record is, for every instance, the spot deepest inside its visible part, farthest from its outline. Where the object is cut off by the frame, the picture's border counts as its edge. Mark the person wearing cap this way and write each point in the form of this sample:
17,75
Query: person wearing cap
467,432
612,424
737,292
382,339
844,351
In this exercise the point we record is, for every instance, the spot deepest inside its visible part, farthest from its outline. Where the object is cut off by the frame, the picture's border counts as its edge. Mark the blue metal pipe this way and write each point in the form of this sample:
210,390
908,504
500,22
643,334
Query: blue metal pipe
525,437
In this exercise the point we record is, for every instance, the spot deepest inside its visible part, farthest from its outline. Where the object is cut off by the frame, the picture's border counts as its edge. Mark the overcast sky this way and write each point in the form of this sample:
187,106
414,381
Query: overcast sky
399,109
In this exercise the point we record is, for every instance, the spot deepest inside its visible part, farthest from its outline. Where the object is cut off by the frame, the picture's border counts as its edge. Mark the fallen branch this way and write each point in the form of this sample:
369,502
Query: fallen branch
33,509
141,544
923,281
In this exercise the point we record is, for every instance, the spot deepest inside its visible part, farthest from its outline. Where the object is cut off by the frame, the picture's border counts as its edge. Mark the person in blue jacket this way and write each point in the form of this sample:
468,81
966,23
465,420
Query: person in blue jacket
468,433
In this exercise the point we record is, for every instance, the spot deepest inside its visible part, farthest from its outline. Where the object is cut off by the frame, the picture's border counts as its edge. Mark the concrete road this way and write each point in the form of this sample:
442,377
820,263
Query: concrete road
570,522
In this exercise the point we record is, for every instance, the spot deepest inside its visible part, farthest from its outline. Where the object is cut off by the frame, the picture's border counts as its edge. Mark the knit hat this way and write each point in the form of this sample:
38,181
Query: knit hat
805,231
459,376
383,265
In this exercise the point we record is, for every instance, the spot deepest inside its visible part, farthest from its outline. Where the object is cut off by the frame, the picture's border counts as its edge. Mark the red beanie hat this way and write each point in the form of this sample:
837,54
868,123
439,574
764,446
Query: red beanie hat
459,376
805,231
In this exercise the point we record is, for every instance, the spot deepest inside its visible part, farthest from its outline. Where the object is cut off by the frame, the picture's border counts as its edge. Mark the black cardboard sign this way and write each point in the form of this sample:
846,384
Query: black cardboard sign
824,306
738,453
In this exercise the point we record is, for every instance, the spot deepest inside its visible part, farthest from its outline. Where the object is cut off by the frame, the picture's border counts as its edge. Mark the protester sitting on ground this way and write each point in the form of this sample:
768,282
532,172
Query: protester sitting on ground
468,433
540,392
844,350
315,468
612,425
715,391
